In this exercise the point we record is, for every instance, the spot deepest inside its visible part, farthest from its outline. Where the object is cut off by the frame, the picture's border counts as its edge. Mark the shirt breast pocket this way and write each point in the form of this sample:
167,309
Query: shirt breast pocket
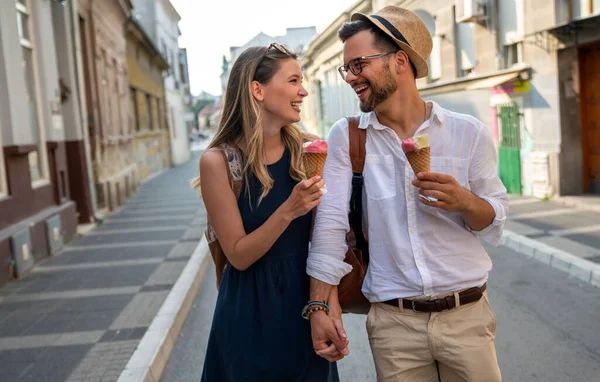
456,167
380,177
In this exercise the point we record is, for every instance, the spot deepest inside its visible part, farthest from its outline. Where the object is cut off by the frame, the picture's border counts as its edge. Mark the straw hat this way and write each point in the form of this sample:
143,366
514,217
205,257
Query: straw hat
407,30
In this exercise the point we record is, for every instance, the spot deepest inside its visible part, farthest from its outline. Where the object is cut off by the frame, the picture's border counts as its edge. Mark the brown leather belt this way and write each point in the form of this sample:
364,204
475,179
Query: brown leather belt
466,297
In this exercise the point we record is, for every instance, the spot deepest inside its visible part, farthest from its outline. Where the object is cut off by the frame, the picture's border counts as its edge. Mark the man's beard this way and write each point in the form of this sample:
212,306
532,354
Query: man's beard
379,94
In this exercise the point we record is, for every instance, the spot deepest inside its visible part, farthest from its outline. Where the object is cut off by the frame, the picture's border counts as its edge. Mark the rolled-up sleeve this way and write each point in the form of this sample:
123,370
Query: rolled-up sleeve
328,244
485,183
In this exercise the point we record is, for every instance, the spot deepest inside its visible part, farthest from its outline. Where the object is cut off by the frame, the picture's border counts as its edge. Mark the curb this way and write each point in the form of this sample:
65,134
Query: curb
152,353
575,266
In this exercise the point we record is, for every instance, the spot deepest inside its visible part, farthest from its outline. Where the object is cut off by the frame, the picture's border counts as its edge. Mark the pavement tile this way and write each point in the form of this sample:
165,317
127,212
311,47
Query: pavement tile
84,256
95,278
586,239
124,334
156,288
103,358
140,311
182,250
131,236
166,273
55,365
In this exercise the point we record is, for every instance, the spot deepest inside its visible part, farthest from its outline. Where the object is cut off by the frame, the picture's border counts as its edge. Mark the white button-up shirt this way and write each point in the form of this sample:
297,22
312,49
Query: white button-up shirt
414,249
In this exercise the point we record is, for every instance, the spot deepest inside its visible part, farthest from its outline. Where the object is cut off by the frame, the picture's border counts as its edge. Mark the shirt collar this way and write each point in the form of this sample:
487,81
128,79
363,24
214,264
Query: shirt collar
370,118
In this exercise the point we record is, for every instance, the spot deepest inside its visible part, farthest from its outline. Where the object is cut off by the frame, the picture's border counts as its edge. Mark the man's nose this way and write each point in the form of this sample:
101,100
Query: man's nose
350,77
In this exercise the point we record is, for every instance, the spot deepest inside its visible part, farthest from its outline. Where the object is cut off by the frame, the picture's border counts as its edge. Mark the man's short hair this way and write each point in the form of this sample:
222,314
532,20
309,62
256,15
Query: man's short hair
381,40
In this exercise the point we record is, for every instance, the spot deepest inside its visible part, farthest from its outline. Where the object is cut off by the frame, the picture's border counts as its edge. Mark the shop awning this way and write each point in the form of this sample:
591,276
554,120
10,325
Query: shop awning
490,82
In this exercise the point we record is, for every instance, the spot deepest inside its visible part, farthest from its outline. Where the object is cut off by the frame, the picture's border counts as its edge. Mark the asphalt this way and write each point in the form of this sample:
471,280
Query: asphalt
80,315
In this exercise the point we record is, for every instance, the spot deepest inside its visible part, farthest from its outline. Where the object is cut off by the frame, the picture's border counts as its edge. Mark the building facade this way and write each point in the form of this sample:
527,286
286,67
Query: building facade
147,115
525,68
159,19
39,120
103,48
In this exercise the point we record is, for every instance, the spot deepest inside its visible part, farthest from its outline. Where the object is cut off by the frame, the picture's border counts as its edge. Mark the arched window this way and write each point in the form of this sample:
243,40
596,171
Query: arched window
435,58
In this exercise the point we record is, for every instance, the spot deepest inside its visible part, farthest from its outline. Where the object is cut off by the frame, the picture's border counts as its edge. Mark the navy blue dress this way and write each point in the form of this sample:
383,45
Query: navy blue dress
257,332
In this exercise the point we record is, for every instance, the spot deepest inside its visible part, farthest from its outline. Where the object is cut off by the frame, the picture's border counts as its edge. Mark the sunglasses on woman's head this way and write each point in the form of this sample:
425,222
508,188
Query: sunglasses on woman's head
280,48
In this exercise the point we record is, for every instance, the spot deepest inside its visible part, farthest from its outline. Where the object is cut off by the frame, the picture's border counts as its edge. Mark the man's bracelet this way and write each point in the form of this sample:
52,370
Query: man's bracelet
312,307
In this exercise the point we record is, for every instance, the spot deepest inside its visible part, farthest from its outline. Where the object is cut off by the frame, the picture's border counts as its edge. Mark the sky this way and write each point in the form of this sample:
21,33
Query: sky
210,27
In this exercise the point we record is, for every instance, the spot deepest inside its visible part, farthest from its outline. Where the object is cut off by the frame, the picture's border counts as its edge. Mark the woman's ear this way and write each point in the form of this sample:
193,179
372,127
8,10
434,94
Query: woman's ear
257,91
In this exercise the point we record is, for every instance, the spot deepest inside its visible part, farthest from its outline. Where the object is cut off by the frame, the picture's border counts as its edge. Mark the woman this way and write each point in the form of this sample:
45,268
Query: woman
257,332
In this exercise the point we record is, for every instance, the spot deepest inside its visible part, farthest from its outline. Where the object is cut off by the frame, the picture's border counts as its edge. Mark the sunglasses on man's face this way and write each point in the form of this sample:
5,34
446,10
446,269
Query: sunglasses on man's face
280,48
355,65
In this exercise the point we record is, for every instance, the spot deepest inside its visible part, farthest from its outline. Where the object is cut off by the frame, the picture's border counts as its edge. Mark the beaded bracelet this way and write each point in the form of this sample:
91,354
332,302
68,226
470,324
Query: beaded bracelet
312,307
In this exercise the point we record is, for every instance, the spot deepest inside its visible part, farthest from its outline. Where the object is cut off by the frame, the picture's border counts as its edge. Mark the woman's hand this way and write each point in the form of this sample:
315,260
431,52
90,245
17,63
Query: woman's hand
305,196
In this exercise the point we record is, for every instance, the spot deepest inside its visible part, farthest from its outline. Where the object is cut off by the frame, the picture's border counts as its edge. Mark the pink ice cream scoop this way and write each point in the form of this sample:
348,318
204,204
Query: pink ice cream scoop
413,144
318,146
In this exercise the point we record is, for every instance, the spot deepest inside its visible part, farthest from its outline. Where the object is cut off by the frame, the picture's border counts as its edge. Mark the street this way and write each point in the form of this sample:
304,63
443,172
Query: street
548,328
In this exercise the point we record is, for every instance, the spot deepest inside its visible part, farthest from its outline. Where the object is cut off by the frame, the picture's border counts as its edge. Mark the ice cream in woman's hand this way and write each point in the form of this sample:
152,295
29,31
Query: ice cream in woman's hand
417,152
313,157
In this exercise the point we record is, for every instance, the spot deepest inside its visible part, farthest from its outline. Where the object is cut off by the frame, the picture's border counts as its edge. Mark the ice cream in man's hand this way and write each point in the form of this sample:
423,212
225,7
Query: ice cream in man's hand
417,152
313,157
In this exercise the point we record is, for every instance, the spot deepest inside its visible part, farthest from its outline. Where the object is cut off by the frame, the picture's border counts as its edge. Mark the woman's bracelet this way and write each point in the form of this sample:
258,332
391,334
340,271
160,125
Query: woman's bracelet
312,307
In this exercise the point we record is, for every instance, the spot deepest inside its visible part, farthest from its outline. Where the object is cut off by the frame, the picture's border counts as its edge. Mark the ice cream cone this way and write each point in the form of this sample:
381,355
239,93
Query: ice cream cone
313,163
419,160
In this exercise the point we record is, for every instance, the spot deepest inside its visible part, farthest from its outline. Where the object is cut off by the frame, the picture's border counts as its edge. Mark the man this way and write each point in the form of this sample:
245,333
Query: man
430,318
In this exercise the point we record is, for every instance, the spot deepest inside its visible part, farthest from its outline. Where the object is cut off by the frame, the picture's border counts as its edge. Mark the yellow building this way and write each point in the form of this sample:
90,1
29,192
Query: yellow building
147,119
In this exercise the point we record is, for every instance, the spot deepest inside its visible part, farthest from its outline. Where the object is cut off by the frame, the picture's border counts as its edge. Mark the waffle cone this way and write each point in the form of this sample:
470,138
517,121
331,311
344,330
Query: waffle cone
313,163
419,160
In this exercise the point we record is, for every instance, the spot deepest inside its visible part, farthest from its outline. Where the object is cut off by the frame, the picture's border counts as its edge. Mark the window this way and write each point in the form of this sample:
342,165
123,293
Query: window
513,54
466,49
435,60
584,8
148,111
38,164
511,29
133,112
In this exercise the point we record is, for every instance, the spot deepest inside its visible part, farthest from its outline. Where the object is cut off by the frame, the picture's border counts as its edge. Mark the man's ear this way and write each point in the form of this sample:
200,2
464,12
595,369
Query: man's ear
257,91
402,62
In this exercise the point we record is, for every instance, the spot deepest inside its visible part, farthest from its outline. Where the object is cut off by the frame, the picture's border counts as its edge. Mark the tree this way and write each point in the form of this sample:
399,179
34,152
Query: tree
200,104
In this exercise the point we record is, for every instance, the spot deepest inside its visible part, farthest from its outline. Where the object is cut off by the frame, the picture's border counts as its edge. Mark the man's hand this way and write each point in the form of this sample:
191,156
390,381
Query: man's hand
328,336
450,195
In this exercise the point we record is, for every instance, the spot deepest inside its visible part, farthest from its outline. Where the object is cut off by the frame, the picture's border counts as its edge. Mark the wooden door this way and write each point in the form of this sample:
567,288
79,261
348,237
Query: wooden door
590,116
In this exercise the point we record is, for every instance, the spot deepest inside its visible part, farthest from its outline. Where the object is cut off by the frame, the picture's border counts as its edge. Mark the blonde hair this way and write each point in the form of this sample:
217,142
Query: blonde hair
241,118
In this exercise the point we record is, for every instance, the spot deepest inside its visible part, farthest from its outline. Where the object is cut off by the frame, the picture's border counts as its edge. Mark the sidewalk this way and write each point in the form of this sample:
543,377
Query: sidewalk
79,316
564,233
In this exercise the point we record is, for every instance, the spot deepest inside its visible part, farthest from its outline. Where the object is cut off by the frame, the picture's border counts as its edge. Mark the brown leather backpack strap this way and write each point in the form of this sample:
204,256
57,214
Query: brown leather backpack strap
358,142
234,164
358,152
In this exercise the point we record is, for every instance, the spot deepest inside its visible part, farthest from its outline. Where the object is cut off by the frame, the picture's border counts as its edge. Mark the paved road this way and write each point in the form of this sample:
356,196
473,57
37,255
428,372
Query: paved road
548,327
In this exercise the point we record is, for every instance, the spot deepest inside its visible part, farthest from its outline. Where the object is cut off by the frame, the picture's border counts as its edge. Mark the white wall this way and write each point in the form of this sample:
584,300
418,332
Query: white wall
180,151
472,102
167,35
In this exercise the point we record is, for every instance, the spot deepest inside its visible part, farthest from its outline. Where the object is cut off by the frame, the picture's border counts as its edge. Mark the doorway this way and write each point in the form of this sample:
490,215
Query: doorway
589,69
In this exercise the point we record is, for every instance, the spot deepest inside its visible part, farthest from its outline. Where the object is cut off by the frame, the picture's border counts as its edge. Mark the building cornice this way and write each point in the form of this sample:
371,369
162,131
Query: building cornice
331,30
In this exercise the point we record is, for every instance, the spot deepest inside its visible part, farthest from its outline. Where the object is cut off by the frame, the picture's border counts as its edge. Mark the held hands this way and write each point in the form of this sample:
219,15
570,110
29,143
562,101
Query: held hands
450,195
305,196
328,336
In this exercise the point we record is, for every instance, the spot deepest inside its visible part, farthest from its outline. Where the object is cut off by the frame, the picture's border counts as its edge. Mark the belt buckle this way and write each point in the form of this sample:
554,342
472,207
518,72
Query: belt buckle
413,306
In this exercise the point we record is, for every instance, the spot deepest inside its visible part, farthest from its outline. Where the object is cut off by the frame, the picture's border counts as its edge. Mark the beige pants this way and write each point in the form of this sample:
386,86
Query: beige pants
407,344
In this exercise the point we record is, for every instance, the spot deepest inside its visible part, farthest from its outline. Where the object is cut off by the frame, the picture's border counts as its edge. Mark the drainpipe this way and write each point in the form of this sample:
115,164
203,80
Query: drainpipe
495,22
83,106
